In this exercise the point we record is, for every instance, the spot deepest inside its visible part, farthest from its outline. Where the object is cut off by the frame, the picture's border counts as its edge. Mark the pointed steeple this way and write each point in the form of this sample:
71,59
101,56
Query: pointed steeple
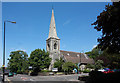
53,42
52,29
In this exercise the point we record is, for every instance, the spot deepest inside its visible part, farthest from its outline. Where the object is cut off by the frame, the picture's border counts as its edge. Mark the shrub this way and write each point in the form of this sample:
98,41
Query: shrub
45,71
86,71
99,77
68,67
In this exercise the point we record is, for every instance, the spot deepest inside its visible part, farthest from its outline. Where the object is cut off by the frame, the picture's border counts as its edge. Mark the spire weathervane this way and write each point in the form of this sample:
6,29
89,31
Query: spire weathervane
52,7
52,4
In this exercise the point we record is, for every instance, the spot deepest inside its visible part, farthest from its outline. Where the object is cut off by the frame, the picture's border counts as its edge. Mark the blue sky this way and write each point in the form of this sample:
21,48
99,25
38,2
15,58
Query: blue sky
73,24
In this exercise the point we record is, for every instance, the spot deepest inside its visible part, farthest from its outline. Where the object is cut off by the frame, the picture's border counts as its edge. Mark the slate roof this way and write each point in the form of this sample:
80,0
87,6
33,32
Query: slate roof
75,57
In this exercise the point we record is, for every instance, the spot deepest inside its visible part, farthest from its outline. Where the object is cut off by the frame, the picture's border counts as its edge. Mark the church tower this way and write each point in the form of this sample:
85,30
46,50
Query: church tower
53,42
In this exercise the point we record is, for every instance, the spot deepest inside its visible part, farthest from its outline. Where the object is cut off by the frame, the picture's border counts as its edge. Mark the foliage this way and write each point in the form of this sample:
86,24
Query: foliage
91,66
109,23
18,61
45,71
39,59
94,53
58,64
86,71
111,60
68,66
99,77
98,64
115,61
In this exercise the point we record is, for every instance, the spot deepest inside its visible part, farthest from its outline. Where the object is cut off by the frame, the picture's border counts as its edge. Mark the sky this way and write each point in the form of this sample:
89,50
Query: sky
73,24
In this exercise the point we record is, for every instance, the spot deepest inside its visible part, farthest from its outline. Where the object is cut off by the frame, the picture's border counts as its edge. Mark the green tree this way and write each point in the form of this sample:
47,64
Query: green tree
58,64
0,68
109,23
94,53
114,61
91,66
68,67
98,64
39,59
111,60
18,61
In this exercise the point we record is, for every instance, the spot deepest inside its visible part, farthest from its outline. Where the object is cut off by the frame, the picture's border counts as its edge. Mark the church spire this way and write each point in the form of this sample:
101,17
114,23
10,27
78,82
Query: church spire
52,29
53,42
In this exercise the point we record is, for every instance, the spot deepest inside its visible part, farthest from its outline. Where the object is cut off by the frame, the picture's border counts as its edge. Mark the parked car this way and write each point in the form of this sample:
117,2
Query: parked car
15,73
10,74
116,70
108,71
101,70
6,73
51,73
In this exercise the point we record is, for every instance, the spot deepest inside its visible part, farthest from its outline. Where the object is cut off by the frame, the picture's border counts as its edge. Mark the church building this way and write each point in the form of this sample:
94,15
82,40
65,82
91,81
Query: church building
53,47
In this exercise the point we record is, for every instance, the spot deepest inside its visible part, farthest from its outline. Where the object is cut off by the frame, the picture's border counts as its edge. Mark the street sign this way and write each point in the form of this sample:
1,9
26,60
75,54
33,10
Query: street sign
55,69
30,67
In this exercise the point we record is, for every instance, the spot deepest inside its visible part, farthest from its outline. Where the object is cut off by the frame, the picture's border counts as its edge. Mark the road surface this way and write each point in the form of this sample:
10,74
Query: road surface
0,76
21,77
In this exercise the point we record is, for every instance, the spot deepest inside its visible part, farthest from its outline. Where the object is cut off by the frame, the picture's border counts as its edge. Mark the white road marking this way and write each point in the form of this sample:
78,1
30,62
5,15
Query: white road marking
31,80
24,79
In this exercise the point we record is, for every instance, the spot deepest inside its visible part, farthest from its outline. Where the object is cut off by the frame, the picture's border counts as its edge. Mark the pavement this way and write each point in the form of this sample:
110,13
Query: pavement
0,79
0,76
64,78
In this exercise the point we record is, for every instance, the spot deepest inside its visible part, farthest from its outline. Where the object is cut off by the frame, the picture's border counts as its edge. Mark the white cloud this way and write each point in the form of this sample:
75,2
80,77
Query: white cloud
21,49
94,46
66,22
13,49
64,46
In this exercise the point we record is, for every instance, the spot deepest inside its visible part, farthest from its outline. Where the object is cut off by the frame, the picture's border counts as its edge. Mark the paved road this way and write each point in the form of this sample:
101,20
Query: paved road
21,77
0,78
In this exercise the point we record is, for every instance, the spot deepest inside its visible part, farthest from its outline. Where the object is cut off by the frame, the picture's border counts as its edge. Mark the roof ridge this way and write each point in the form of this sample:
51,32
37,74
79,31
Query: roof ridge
72,52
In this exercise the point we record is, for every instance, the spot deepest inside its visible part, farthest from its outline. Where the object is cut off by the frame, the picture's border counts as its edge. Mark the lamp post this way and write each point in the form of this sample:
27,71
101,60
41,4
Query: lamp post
80,62
4,50
79,71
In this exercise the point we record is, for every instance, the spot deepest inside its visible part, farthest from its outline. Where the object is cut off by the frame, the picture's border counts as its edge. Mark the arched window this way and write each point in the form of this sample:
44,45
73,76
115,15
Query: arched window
48,46
55,46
